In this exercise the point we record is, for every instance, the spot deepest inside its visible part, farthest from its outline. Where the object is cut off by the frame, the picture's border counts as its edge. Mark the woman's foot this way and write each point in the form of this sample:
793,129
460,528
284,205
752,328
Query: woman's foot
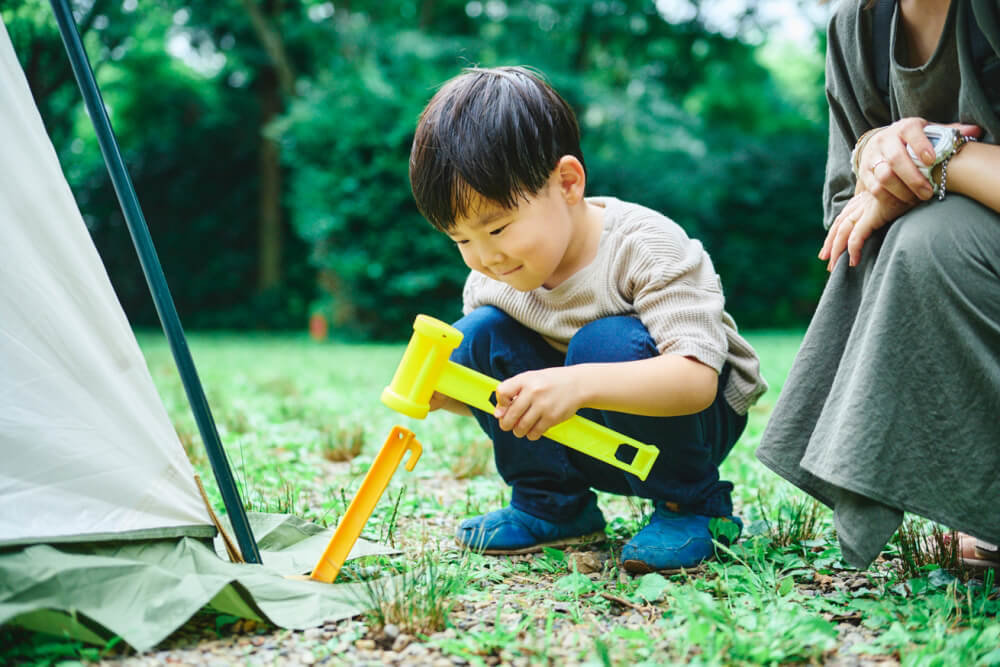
977,554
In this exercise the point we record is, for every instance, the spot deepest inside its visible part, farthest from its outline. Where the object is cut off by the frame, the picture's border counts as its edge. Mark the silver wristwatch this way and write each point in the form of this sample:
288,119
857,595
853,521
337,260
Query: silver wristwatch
946,142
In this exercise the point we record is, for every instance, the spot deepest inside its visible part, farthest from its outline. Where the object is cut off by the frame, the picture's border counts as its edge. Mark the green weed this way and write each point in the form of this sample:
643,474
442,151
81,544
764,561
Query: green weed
474,460
342,443
793,521
20,647
419,600
922,545
776,597
479,643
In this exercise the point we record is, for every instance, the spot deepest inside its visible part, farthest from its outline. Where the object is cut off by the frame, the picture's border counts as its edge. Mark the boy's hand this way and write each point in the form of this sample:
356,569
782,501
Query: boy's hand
531,403
441,402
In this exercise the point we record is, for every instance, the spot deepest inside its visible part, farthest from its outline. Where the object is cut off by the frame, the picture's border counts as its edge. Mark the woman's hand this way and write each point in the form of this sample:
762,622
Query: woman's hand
531,403
885,168
862,215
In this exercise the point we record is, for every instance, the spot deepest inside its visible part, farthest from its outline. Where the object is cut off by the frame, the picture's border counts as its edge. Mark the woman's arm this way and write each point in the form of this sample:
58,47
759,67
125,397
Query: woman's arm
975,173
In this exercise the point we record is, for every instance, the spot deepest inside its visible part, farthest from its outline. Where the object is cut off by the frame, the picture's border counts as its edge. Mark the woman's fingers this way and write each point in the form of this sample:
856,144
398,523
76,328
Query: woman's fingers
836,237
850,210
856,240
911,132
886,168
840,241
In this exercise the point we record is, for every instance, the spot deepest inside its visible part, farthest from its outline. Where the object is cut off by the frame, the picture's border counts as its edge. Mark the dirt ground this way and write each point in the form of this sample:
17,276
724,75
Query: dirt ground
567,640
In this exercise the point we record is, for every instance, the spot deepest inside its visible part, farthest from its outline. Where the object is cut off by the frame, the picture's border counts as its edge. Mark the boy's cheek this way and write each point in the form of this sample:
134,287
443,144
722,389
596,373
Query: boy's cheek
469,259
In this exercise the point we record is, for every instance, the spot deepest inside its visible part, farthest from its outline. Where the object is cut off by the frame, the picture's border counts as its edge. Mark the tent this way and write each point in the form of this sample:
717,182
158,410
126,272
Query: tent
103,528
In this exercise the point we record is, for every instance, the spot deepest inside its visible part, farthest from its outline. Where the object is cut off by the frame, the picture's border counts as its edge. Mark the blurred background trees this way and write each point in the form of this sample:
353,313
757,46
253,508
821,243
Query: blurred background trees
268,141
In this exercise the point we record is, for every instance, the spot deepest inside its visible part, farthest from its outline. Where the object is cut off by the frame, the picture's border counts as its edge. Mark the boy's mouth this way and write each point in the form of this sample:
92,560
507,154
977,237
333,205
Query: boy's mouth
507,273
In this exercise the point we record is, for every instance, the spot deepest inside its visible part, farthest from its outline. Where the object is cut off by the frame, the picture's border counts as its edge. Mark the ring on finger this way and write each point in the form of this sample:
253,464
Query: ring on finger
876,163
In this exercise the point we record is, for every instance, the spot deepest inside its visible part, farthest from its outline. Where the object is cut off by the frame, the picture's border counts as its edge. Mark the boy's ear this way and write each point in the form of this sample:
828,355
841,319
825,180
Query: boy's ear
572,178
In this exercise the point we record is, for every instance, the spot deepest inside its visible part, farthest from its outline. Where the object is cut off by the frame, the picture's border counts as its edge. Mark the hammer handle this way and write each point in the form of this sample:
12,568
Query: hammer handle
602,443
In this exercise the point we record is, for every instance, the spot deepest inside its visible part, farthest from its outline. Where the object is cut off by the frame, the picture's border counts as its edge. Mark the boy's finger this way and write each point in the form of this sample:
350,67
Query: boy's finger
513,413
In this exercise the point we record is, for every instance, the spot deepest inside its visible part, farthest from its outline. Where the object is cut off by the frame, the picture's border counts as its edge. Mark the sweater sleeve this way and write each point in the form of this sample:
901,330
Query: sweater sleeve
677,296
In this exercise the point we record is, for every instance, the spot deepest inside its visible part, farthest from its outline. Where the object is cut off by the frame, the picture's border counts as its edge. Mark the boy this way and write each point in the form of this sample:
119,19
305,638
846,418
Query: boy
589,305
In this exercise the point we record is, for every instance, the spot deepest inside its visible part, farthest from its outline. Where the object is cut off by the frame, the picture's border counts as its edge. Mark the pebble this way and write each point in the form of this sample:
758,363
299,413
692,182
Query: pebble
401,642
585,562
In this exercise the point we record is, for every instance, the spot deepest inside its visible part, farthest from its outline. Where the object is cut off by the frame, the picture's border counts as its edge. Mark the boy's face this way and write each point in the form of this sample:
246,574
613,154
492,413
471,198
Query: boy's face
524,247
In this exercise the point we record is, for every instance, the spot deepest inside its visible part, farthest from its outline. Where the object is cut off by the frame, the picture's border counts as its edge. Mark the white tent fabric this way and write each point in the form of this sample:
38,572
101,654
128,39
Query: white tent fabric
86,448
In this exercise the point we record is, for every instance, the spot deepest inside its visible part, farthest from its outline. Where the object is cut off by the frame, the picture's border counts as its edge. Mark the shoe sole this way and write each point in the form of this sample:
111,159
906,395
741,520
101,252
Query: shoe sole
640,567
590,538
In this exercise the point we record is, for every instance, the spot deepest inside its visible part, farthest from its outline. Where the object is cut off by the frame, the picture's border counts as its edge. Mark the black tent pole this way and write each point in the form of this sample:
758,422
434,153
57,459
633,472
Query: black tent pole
155,278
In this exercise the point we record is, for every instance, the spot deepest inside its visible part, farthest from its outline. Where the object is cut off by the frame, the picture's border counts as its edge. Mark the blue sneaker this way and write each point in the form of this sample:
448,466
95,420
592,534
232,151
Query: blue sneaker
672,541
512,531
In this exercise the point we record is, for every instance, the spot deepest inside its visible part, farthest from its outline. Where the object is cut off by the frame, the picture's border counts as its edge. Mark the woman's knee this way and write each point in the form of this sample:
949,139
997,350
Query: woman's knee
943,236
611,339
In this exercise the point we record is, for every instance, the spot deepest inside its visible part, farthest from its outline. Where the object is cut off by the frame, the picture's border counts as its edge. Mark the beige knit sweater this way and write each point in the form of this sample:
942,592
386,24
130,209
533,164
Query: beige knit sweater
646,266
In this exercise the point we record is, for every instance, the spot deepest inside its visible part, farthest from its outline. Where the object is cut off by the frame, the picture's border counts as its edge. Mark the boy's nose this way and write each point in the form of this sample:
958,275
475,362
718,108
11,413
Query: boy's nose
490,257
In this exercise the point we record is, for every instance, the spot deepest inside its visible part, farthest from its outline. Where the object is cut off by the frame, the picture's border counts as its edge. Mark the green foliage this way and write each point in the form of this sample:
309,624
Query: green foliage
20,647
723,136
673,117
381,262
650,588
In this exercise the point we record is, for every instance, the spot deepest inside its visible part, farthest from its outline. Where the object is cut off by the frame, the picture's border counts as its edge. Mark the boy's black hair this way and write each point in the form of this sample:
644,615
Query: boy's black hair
497,133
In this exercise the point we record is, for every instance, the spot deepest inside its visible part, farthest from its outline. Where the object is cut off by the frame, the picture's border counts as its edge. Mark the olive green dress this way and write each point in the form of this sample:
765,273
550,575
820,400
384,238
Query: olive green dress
893,402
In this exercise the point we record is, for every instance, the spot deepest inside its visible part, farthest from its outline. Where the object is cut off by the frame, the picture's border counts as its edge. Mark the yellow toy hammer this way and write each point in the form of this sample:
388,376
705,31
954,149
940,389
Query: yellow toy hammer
425,368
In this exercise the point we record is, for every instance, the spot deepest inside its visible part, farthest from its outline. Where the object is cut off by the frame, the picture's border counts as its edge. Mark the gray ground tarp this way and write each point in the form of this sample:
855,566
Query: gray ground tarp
143,591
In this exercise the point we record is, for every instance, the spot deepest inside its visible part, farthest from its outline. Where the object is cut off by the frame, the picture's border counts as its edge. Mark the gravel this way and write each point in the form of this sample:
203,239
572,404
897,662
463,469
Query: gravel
570,635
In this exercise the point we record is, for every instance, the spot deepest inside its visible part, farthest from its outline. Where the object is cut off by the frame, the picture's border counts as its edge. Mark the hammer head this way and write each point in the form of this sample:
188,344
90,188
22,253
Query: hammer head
424,360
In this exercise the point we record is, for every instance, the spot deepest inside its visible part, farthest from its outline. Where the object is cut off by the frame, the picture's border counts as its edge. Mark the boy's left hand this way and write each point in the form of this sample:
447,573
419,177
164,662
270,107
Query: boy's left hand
531,403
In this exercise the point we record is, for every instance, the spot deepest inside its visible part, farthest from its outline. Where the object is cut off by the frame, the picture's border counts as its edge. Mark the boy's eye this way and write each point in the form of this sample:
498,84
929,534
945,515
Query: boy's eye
460,241
498,230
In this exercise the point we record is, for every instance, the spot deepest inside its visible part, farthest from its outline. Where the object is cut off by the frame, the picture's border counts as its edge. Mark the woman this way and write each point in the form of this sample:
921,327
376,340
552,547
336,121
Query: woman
893,403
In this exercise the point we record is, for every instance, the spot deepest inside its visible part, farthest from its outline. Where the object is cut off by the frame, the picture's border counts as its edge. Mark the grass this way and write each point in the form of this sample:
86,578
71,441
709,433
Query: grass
301,422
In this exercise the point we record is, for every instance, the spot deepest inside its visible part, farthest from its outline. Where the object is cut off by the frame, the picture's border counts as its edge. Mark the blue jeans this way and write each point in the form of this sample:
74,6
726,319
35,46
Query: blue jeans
554,482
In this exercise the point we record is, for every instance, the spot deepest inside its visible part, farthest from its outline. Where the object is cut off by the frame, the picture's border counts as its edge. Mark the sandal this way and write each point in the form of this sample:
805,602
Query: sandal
978,554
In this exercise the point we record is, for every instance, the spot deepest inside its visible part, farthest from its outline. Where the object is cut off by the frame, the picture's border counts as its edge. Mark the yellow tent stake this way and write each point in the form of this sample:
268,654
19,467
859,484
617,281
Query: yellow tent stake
400,441
426,368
